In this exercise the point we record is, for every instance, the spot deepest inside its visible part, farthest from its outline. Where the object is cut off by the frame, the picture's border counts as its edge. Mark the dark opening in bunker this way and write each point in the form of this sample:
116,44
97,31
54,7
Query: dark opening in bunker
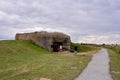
56,46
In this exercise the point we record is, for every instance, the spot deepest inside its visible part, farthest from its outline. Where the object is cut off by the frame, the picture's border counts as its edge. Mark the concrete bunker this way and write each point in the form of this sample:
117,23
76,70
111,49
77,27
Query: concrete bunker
52,41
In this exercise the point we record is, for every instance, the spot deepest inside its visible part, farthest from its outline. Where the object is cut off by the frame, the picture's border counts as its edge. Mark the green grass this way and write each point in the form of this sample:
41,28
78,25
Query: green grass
84,48
23,60
115,62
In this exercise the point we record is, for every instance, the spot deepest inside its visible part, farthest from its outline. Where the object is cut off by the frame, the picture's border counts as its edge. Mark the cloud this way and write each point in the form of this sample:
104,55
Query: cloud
78,18
99,39
8,18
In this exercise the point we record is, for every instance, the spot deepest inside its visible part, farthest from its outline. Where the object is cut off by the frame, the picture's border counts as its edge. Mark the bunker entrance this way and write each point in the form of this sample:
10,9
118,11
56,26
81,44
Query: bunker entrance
56,46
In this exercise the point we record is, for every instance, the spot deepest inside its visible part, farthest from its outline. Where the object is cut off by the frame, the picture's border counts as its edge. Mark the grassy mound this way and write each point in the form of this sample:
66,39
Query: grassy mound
23,60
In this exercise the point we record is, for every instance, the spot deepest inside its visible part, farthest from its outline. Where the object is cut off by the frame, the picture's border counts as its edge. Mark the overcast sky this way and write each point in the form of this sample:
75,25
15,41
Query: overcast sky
88,21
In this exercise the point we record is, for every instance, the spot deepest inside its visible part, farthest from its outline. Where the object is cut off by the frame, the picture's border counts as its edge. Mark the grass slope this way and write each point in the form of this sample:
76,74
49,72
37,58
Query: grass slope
115,62
84,48
23,60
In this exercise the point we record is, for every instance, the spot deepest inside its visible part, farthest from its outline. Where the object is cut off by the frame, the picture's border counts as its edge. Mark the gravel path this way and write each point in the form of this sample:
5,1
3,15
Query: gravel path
98,68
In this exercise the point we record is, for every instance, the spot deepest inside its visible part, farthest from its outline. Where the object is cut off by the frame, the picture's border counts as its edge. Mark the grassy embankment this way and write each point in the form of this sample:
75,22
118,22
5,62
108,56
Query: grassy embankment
84,47
115,62
23,60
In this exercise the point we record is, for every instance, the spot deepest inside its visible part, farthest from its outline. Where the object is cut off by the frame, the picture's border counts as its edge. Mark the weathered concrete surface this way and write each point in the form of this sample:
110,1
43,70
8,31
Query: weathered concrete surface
98,68
48,40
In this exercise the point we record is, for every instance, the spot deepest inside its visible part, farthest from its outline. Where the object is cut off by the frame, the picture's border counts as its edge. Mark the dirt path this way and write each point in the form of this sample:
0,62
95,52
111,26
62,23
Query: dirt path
98,68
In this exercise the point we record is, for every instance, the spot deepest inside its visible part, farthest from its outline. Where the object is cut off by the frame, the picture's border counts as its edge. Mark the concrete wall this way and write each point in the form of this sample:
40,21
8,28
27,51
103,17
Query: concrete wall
46,39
